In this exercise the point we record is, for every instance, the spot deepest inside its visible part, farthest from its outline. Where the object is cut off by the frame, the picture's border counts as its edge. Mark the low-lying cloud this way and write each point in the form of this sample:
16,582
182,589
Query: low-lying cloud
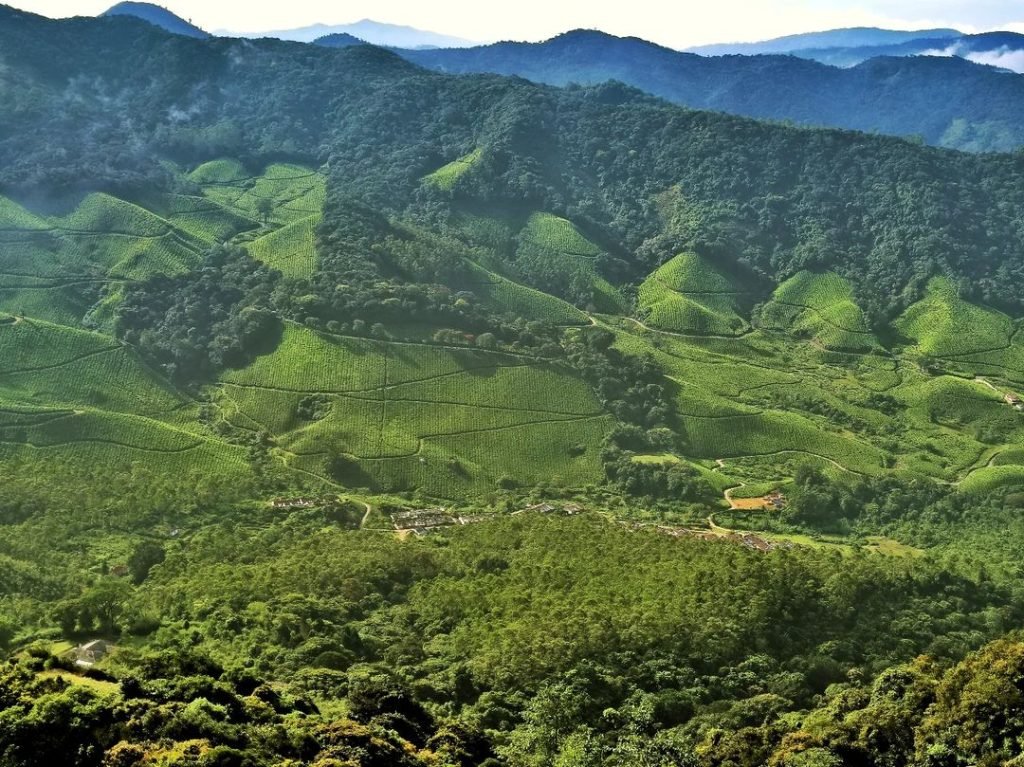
1005,57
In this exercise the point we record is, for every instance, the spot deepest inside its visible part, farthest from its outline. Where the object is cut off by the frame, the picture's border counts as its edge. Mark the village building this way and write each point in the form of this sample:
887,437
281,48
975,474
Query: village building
421,520
300,503
90,653
541,508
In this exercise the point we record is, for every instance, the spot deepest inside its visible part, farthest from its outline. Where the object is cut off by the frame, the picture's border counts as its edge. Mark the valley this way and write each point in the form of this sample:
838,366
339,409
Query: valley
355,413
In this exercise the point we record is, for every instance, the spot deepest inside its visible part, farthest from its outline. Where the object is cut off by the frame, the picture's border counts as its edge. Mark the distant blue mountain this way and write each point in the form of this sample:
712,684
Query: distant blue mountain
998,49
159,17
947,101
849,47
374,32
853,37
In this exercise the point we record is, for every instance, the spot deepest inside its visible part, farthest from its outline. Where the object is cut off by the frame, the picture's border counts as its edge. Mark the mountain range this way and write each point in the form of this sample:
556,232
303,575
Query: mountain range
373,32
846,48
881,85
947,101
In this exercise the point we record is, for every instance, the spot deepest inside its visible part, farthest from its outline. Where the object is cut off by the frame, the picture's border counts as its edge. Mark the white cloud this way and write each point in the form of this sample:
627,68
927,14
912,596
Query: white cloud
1005,57
952,50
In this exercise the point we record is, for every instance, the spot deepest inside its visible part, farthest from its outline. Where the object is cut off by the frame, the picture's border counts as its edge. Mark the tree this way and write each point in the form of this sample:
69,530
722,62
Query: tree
264,208
105,600
146,556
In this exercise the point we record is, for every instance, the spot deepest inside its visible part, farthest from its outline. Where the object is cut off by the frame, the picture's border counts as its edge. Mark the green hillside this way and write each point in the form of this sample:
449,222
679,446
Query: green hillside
688,295
944,325
635,436
418,406
553,252
820,307
448,175
444,420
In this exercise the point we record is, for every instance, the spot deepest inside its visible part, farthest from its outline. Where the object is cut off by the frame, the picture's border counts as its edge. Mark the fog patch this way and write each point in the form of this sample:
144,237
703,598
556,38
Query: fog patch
952,50
1005,58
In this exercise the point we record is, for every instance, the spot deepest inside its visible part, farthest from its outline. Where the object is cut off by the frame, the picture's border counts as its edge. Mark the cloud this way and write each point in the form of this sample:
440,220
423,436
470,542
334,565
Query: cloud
1005,58
952,50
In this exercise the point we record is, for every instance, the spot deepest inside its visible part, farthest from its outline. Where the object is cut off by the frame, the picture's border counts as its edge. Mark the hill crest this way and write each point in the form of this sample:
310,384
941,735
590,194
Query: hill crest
158,16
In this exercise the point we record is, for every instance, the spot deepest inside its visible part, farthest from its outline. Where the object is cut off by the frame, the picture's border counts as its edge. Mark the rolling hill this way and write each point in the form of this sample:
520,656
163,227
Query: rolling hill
158,16
375,316
848,38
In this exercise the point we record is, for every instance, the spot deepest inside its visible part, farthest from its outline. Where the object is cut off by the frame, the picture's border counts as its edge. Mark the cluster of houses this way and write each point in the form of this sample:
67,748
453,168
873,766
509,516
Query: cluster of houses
775,501
569,509
301,503
424,520
421,521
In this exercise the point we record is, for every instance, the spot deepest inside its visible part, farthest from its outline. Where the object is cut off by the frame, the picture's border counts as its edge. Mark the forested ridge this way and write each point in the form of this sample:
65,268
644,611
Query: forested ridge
946,101
367,415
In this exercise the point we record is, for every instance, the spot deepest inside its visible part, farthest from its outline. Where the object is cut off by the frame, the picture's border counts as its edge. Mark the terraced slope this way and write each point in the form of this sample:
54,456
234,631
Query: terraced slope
448,175
74,398
964,338
688,295
446,419
820,307
53,267
57,268
810,384
552,250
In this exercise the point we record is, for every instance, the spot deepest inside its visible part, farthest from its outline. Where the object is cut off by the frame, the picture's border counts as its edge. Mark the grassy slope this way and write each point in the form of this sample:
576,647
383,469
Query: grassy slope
560,245
69,397
820,307
450,420
448,175
453,421
944,325
688,295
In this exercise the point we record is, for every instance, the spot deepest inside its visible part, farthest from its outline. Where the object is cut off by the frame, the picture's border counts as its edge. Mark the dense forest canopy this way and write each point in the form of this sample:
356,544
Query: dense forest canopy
947,101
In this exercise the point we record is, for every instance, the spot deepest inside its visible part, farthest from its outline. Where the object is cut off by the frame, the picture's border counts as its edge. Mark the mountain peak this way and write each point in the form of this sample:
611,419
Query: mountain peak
158,16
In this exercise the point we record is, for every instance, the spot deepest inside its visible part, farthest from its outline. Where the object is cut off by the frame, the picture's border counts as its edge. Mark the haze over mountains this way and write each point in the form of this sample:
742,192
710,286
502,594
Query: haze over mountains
373,32
852,37
849,47
947,101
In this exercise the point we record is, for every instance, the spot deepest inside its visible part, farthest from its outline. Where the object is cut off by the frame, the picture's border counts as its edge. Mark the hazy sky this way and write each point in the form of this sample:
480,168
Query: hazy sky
679,24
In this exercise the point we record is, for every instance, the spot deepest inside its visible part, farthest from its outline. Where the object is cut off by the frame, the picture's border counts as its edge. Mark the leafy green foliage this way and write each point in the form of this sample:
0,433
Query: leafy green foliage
209,319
